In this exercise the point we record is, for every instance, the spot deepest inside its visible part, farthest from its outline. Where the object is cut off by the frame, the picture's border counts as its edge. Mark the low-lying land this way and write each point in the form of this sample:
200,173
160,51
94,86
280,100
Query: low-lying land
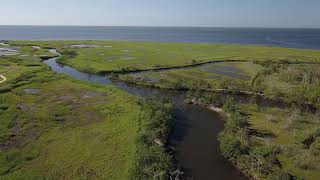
123,56
222,75
54,127
267,142
297,83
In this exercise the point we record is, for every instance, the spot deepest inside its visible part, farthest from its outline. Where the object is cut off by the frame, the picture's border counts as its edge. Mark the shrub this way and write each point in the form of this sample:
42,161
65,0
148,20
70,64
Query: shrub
229,106
307,161
279,174
69,53
312,138
237,121
151,163
230,146
315,147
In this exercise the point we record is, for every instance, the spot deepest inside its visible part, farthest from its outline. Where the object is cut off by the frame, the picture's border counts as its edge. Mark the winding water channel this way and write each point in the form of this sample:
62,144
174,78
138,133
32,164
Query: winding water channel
194,135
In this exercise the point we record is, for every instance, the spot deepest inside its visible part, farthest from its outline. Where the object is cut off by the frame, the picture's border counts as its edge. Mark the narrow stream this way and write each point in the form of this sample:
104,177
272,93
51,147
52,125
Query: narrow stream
194,135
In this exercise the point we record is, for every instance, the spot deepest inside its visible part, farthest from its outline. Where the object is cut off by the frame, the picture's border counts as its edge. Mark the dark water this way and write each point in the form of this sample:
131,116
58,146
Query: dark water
194,134
292,38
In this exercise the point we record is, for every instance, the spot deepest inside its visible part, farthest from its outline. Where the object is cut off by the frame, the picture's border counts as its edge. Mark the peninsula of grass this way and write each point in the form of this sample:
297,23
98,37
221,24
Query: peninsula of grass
229,75
102,57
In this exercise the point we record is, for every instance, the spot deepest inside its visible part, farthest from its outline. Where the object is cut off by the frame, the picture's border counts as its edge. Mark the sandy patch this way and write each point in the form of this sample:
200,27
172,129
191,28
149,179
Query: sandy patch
36,47
2,79
215,109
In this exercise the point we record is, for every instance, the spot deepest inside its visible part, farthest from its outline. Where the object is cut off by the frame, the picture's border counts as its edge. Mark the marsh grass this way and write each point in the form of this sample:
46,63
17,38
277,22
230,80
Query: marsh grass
67,129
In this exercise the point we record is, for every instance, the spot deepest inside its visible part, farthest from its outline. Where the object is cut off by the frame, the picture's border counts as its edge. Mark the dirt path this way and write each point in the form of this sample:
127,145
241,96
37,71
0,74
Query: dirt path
3,79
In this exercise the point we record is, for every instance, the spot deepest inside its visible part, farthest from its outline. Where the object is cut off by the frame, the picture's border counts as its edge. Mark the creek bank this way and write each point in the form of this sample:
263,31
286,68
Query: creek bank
47,57
188,133
233,150
261,99
199,103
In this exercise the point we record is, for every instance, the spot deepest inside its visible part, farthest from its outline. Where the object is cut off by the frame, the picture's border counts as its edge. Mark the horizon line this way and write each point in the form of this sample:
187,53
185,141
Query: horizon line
252,27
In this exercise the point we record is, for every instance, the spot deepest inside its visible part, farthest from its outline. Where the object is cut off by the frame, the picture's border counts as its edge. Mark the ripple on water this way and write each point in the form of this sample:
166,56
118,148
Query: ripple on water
228,71
8,51
229,68
31,91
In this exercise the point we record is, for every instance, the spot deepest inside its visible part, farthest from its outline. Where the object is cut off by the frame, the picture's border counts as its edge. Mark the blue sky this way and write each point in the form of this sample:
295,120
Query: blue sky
209,13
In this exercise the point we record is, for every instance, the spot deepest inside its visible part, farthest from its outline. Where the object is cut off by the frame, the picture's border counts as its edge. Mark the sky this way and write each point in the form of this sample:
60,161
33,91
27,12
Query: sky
195,13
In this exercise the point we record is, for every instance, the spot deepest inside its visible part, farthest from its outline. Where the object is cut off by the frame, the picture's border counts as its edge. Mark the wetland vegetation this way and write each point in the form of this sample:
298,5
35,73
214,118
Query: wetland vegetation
53,125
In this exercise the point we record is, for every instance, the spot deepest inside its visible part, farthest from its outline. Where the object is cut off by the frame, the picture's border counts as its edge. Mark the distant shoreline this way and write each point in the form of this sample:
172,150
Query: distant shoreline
301,38
146,26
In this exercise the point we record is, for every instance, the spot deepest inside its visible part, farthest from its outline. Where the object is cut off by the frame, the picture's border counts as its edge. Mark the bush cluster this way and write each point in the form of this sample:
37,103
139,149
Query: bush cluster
152,161
235,144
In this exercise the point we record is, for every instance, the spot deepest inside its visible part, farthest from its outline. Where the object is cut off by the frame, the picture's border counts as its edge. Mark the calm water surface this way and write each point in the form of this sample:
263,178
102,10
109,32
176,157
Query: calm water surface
292,38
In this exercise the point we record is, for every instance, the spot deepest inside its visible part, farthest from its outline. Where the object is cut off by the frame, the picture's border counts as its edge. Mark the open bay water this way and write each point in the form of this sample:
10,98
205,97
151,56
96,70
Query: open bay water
290,38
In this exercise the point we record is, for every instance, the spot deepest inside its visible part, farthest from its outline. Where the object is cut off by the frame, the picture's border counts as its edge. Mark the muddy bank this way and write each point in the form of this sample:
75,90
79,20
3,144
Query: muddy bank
243,96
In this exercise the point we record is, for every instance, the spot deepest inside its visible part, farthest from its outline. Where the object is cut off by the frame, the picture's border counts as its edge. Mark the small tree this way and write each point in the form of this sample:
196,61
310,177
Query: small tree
230,146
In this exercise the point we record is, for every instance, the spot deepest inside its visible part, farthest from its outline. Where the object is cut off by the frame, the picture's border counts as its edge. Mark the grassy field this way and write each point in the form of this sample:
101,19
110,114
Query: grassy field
54,127
108,56
255,75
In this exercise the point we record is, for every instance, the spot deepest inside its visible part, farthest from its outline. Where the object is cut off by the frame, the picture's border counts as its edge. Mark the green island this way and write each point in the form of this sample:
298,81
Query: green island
51,122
